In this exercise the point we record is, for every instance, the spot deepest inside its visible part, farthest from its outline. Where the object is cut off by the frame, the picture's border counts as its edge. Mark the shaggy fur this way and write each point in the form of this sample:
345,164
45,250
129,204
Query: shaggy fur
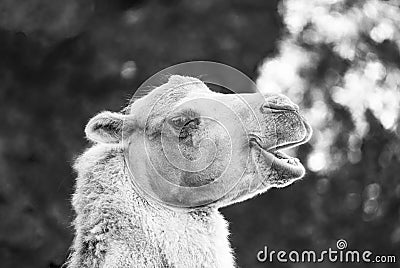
113,218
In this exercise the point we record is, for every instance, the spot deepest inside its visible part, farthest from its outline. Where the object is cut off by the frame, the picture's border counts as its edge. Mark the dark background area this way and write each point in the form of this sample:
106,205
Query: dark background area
61,62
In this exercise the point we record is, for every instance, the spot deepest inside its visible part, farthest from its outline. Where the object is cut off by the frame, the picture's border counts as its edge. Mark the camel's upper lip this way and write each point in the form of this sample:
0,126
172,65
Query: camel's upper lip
283,145
281,161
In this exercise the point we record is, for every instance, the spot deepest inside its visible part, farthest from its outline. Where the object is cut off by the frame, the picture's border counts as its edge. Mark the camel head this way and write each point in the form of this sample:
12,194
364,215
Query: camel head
188,147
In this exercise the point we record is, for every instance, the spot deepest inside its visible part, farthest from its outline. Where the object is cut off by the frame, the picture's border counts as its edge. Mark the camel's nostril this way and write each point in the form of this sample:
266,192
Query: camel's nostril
278,103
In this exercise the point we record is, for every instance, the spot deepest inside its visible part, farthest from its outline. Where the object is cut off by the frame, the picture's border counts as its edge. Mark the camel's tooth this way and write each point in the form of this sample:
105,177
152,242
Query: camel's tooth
293,161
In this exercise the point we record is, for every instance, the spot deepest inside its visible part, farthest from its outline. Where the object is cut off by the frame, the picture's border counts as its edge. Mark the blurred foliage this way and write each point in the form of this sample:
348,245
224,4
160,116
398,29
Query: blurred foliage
63,61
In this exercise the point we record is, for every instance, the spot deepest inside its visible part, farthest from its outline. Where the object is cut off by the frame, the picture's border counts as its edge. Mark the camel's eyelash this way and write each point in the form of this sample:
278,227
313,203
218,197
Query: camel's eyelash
190,114
185,122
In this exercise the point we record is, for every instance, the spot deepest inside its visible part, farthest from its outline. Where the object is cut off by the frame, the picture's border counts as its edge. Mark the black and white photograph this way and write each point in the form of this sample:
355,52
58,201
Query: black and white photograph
200,134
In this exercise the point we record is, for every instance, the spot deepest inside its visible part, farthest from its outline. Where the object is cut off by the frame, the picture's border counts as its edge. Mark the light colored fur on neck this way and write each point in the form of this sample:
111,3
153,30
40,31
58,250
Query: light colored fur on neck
116,227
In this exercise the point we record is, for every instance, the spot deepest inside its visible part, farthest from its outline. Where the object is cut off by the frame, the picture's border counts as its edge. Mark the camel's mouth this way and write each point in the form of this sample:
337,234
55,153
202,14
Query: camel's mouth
286,165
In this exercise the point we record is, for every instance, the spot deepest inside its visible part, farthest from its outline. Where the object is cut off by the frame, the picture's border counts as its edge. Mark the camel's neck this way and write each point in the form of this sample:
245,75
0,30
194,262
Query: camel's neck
116,227
195,239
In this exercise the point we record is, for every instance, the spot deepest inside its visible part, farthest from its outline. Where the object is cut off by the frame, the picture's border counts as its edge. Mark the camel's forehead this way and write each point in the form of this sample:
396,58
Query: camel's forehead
171,93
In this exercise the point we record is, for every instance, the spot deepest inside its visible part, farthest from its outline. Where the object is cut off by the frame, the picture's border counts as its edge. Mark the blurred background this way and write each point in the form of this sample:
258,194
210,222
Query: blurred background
63,61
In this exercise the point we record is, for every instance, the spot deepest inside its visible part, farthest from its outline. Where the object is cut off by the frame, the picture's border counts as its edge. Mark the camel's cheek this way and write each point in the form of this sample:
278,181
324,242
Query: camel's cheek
214,167
215,159
252,182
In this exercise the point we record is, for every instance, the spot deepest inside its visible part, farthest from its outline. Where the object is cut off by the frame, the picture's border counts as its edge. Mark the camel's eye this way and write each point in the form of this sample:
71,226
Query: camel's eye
185,126
179,121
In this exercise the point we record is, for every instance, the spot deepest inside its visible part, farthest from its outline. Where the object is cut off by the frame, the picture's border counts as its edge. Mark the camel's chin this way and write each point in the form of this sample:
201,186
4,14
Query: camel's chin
271,170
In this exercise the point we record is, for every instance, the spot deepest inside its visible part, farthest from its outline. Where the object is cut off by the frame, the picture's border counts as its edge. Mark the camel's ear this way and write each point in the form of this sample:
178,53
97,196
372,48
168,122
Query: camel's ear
106,127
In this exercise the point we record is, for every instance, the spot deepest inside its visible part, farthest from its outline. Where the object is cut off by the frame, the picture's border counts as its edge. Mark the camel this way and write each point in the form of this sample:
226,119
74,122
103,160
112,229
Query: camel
149,190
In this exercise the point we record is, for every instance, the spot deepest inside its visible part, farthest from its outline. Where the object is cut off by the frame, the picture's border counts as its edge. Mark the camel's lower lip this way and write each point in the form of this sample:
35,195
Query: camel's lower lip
284,164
